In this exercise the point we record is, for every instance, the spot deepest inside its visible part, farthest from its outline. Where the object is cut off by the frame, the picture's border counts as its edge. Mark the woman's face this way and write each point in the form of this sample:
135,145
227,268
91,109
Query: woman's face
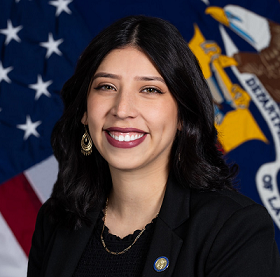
131,114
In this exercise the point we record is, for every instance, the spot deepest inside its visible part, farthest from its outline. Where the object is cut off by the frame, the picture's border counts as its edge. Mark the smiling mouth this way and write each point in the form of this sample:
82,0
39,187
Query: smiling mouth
125,136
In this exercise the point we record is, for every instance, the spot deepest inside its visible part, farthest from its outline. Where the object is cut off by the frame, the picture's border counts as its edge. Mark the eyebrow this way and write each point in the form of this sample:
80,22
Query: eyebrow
106,75
138,78
150,78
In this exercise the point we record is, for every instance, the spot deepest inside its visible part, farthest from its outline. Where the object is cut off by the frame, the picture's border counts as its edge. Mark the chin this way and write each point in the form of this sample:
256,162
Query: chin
124,166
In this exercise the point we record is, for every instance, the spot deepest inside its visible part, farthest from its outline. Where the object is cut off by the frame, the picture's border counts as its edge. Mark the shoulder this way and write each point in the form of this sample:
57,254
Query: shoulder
223,202
43,217
44,230
208,208
232,198
229,210
45,225
227,224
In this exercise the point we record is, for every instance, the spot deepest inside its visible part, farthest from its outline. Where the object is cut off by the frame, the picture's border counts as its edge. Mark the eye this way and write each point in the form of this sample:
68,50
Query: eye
152,90
105,87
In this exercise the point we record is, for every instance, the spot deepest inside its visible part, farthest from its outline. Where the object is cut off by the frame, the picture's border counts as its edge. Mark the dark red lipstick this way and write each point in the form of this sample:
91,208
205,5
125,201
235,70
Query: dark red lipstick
125,137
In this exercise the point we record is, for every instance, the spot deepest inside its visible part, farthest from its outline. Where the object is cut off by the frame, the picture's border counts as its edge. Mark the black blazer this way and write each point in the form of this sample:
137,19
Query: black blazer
213,234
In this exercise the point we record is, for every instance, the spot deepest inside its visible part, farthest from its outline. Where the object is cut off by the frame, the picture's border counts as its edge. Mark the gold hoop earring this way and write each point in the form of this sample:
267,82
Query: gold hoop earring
86,143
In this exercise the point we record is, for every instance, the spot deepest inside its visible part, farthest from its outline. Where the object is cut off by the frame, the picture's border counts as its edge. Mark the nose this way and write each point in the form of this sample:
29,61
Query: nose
125,104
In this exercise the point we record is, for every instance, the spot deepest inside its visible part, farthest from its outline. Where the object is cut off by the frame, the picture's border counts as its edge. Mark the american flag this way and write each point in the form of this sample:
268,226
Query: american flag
40,42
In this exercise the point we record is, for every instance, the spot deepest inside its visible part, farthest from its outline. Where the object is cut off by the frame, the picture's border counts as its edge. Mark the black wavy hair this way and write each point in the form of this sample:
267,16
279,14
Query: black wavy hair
84,181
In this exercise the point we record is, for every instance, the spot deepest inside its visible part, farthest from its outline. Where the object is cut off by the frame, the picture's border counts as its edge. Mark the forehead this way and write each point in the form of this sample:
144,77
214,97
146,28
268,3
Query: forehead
128,60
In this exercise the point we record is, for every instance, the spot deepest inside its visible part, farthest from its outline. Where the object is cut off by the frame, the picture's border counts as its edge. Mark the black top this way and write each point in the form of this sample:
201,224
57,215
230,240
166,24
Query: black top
96,261
202,233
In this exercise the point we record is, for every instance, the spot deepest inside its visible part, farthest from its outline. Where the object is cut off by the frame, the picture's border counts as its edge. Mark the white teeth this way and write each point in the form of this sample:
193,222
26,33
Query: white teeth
126,137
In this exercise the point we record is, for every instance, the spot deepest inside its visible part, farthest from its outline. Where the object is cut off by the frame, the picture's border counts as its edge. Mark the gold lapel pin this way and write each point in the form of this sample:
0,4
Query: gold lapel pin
161,263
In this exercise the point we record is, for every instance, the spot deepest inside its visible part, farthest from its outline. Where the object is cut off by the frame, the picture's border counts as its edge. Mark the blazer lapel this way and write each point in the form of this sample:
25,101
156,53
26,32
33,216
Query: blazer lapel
166,243
68,248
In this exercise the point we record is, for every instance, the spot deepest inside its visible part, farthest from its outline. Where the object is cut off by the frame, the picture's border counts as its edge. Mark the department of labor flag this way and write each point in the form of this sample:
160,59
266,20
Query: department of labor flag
40,43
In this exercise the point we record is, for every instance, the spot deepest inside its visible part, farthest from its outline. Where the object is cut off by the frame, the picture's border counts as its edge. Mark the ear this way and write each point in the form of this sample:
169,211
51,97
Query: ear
84,119
179,126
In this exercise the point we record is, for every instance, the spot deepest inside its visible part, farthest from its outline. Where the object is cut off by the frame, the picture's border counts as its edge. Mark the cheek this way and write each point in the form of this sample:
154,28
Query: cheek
96,108
95,113
165,116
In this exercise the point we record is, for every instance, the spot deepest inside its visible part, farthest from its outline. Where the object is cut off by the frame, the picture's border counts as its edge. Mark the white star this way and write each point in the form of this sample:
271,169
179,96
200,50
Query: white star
4,73
41,87
11,32
61,6
52,46
29,127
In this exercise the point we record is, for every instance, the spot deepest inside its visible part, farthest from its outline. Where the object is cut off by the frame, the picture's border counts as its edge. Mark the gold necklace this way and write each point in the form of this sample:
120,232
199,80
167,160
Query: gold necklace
103,242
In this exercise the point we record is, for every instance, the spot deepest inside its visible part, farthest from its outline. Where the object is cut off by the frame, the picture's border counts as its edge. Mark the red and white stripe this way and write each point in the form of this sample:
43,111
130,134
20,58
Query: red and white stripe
20,200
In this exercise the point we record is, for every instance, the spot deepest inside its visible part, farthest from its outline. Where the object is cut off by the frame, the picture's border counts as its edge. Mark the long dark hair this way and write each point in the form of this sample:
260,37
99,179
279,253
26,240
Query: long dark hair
84,181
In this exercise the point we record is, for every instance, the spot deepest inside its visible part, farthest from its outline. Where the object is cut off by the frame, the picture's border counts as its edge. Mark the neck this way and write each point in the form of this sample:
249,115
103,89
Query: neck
135,199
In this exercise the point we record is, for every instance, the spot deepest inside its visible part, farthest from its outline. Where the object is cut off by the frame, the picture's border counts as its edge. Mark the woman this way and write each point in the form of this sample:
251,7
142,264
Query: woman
142,189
